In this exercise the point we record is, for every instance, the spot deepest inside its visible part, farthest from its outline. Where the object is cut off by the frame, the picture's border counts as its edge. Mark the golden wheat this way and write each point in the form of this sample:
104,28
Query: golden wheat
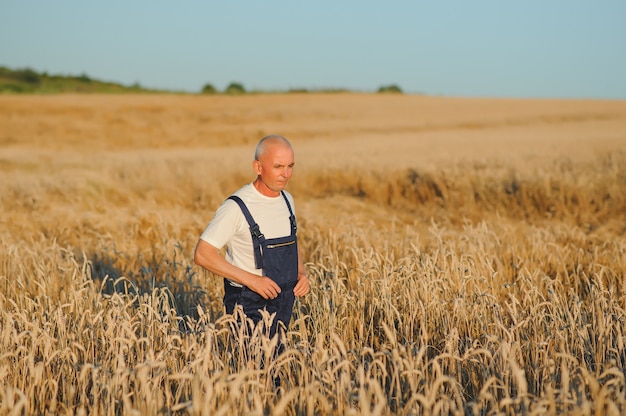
466,256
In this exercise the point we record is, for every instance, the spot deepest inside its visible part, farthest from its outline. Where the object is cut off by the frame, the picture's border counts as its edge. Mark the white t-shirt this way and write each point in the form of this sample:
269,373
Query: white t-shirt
229,226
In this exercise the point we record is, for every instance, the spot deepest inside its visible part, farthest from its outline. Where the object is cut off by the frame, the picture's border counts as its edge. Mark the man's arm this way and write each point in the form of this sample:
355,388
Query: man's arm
208,256
303,286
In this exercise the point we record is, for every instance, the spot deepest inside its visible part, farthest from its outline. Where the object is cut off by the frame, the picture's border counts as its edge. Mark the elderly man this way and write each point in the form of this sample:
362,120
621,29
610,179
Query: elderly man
262,268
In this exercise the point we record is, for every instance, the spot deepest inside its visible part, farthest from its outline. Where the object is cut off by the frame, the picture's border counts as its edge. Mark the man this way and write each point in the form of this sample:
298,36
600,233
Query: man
263,268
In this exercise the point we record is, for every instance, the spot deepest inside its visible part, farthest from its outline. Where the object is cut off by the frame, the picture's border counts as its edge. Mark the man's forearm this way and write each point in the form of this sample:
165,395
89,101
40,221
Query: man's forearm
209,258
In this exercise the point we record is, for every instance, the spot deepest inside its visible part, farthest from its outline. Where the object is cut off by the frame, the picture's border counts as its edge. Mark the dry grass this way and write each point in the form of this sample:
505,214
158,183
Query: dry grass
467,256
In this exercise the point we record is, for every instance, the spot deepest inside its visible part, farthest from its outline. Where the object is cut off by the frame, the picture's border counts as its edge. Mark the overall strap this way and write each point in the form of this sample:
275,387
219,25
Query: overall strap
292,218
257,237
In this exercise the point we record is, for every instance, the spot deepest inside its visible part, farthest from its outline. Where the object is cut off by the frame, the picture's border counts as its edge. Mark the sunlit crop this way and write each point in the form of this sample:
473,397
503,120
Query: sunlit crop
467,257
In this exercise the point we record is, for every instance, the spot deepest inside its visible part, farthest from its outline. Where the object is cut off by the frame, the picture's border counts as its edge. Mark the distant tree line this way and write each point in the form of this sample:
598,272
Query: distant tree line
27,80
19,80
235,88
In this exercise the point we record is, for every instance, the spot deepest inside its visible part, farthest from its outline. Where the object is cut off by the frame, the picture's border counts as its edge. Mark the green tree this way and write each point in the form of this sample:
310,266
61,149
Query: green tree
26,75
235,88
83,78
393,88
209,89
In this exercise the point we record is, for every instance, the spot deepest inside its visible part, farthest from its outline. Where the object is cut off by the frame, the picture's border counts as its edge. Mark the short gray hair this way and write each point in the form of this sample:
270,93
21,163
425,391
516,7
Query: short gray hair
260,148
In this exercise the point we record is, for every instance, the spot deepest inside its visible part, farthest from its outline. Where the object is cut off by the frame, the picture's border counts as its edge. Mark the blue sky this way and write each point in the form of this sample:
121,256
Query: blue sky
528,48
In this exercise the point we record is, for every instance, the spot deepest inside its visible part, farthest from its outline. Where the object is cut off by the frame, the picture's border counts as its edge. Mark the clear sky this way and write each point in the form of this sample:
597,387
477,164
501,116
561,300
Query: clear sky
497,48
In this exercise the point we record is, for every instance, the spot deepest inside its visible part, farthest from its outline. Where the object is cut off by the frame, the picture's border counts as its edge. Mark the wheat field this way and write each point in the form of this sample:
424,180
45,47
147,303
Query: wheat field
467,256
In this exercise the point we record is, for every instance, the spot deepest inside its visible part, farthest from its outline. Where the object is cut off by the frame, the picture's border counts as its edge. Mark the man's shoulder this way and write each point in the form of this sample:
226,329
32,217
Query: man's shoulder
245,192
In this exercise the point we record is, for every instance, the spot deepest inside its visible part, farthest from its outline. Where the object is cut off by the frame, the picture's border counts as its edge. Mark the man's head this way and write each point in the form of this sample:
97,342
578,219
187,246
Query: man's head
273,164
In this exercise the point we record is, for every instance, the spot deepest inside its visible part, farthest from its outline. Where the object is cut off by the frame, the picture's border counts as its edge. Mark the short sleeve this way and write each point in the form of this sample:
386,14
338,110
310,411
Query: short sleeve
224,225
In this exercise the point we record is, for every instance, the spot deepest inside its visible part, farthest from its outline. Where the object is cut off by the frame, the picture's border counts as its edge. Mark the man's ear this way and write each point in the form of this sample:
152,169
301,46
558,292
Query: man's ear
256,165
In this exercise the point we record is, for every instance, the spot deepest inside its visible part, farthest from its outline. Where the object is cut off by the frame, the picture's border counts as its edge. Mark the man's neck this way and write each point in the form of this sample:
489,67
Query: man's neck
264,189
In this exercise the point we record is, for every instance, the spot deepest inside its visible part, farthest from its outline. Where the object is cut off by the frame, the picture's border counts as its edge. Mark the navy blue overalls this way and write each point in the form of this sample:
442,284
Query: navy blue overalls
278,258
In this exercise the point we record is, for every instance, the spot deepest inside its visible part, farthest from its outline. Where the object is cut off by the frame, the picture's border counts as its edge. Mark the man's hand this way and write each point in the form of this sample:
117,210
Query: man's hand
208,257
264,286
302,287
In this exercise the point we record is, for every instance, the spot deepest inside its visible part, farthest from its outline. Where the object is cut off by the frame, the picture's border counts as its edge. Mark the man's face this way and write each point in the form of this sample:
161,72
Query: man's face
275,167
